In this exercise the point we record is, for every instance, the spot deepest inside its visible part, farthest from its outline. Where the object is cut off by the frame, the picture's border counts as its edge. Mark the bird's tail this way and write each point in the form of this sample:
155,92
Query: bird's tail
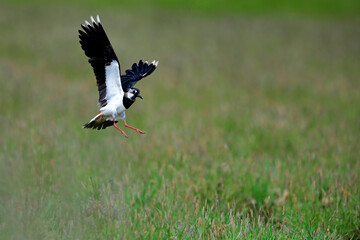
98,122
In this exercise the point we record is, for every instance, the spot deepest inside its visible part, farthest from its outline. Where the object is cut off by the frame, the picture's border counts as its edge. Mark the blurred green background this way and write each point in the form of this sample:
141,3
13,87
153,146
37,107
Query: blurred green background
252,122
244,7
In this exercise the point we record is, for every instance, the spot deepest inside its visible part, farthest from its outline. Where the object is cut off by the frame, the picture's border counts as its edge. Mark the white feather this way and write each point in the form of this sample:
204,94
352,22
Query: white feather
93,119
92,19
98,18
87,23
113,82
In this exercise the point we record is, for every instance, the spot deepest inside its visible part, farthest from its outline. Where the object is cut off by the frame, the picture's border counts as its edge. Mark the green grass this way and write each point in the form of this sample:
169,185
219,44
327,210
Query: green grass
252,128
332,8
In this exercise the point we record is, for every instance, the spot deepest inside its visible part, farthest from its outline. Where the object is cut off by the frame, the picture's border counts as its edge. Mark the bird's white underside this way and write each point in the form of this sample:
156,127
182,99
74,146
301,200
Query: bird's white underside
114,109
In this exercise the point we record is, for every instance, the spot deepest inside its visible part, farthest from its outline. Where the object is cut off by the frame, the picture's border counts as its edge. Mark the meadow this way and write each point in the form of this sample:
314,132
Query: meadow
252,126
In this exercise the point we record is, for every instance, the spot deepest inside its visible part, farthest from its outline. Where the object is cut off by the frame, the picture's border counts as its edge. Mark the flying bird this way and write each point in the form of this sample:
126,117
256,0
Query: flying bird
116,92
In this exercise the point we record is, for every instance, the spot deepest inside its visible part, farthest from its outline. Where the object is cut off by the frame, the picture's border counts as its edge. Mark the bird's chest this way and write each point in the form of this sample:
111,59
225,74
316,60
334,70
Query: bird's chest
127,102
120,108
115,107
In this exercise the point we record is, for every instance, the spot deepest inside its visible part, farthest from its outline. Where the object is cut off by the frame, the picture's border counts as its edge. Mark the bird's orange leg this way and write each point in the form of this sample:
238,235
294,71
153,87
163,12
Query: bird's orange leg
138,130
123,133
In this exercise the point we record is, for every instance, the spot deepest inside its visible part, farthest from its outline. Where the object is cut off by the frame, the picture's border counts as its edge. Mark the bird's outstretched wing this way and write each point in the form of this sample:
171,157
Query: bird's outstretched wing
136,73
102,58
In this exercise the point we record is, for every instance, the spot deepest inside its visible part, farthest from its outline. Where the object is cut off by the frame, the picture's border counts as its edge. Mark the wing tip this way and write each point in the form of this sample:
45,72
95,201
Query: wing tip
92,19
155,63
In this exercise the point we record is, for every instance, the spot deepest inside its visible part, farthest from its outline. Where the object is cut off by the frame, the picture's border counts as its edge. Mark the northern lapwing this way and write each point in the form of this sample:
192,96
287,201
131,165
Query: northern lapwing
116,92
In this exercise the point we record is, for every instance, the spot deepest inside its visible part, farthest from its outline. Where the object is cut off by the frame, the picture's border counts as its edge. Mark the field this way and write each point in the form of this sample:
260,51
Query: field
252,125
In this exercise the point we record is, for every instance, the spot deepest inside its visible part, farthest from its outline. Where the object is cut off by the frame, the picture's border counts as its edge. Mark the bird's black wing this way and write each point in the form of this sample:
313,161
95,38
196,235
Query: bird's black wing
102,58
136,73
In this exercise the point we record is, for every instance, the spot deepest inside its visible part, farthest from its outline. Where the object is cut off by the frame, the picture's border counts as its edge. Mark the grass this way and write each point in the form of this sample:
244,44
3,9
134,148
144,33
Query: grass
318,8
252,128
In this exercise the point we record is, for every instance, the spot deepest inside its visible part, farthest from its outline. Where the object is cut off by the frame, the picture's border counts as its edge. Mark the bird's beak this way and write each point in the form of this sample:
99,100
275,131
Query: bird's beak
140,96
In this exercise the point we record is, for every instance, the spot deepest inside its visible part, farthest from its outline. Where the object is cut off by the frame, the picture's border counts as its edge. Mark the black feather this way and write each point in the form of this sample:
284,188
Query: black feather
97,47
99,125
135,74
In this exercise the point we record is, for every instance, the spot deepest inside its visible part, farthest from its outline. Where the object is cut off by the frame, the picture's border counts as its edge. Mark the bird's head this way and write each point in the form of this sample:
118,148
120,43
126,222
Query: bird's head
133,93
